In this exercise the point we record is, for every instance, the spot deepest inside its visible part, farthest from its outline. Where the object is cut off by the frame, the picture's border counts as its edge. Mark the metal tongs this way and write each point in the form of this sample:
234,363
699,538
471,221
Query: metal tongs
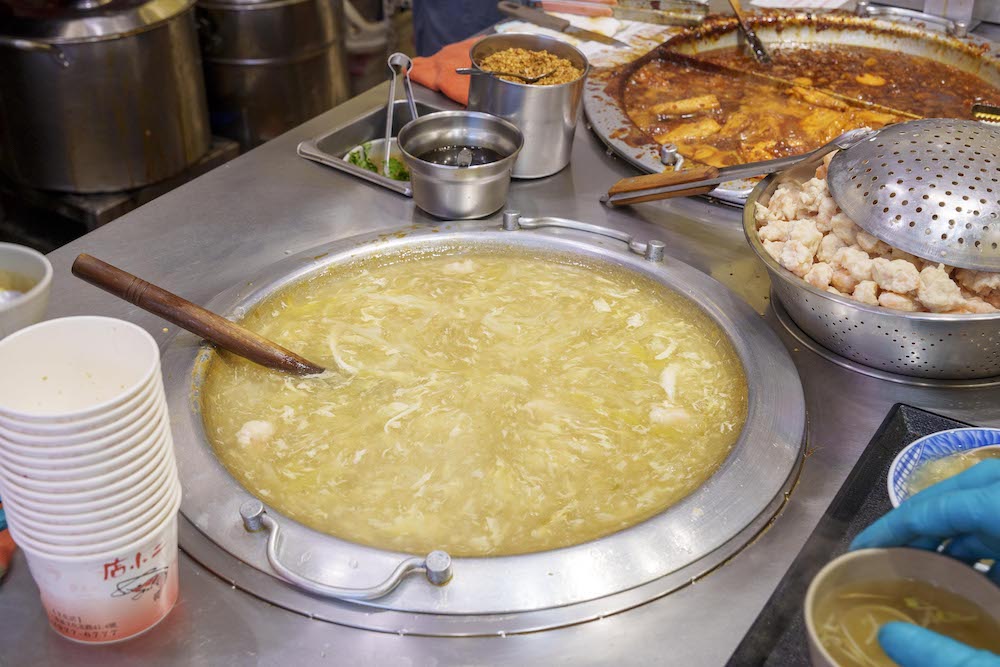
398,63
702,180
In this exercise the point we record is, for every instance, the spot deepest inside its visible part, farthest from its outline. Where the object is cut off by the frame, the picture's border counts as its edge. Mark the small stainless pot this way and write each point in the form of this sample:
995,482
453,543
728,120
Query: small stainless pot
546,115
459,192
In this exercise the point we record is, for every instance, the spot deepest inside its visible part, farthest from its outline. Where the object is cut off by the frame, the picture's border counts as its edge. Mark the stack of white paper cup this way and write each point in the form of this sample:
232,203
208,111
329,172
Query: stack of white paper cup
87,474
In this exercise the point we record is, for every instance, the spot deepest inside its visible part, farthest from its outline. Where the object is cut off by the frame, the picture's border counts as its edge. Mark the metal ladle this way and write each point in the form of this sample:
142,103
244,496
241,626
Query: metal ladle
398,62
472,71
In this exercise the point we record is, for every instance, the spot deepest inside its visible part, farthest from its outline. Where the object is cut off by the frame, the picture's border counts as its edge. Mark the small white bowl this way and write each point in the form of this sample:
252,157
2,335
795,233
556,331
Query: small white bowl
29,308
891,564
932,447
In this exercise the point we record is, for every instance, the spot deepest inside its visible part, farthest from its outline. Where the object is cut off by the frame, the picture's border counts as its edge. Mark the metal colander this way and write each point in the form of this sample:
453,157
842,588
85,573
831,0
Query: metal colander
929,187
926,345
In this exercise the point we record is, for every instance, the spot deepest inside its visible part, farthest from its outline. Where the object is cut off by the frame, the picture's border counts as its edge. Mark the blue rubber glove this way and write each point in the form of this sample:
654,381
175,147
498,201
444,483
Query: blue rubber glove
913,646
964,509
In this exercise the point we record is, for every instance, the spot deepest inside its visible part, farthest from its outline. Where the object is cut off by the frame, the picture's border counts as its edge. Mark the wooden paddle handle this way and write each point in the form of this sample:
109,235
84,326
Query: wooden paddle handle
662,179
189,316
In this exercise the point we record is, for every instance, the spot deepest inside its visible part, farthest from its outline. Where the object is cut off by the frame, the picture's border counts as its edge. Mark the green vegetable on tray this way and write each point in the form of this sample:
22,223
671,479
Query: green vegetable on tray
360,158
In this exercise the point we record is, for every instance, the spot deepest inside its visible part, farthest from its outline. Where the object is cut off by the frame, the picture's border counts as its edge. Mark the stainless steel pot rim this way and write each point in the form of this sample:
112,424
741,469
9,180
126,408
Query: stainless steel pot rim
545,38
101,28
750,230
757,469
506,124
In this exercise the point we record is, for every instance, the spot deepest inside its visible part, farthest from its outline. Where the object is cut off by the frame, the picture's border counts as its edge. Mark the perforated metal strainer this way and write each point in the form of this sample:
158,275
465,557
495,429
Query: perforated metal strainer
928,187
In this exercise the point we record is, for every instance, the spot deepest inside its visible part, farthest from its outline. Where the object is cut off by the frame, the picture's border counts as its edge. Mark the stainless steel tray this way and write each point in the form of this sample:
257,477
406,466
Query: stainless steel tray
330,148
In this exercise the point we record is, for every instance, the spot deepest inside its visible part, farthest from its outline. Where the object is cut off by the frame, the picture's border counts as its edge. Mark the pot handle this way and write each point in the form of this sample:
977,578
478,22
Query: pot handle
33,45
436,566
953,28
652,251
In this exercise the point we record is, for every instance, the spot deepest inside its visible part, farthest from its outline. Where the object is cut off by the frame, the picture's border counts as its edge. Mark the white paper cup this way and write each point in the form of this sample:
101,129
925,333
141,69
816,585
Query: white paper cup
64,551
112,531
29,307
74,368
118,416
102,475
60,458
80,440
108,487
84,505
87,519
114,596
121,459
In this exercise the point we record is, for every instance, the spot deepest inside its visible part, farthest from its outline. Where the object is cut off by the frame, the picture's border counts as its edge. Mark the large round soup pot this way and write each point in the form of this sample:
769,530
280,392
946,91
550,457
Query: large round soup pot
346,582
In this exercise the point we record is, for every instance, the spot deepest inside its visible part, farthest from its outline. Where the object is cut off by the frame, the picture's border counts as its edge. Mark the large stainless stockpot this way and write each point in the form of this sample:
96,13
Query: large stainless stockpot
271,64
101,100
344,582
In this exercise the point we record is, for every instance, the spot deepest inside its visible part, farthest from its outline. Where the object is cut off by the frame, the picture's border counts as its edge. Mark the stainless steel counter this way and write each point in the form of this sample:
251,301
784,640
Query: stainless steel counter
229,224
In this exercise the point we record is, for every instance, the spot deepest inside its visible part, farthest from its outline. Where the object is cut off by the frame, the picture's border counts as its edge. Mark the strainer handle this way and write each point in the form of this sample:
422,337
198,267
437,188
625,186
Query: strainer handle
436,566
953,28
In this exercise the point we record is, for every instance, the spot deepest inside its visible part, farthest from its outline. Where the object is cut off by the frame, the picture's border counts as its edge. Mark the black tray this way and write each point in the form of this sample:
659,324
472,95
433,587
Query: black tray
778,636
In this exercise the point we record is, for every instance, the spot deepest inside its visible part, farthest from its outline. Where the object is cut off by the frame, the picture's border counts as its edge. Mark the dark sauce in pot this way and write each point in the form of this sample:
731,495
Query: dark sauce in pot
461,156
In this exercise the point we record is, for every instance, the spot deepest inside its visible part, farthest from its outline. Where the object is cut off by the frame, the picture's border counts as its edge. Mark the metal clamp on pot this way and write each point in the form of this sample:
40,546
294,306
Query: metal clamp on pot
436,566
652,251
953,28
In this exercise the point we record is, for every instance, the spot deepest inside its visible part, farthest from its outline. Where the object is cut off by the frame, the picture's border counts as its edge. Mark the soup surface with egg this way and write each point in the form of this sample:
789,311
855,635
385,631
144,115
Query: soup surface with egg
938,470
483,402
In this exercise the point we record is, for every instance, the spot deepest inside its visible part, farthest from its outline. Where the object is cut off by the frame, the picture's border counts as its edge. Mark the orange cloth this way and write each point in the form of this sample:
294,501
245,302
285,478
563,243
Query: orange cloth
437,72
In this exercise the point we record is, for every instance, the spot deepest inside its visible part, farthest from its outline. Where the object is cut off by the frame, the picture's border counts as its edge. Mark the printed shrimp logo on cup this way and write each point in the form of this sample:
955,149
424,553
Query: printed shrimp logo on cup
88,474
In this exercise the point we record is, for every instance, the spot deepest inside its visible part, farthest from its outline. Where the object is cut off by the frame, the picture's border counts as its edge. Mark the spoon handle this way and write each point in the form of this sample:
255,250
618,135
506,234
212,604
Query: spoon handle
176,310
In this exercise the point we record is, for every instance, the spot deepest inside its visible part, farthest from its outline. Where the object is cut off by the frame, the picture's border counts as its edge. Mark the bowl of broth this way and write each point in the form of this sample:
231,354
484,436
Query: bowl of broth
856,594
460,162
938,456
25,279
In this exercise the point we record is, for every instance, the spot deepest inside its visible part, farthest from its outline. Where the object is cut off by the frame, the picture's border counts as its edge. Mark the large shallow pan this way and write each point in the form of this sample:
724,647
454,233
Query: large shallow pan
602,94
508,593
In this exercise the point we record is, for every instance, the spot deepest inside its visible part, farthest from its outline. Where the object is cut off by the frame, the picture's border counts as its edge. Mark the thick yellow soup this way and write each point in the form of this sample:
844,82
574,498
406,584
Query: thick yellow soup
480,402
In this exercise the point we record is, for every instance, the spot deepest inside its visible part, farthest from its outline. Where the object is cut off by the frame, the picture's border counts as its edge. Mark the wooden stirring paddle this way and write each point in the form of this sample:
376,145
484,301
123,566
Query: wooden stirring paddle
214,328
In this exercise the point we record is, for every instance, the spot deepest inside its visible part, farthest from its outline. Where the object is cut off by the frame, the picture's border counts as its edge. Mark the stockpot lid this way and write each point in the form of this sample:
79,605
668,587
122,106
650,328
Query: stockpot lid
85,20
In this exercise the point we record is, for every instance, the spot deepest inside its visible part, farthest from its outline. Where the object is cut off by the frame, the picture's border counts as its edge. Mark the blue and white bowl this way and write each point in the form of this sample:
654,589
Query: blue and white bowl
931,447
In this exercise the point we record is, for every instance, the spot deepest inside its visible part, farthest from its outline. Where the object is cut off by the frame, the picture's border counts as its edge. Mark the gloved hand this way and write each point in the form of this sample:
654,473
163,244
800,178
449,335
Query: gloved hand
913,646
964,509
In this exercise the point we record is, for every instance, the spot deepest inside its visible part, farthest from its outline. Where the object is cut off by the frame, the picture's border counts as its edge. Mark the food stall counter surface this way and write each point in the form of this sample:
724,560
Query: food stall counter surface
233,222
